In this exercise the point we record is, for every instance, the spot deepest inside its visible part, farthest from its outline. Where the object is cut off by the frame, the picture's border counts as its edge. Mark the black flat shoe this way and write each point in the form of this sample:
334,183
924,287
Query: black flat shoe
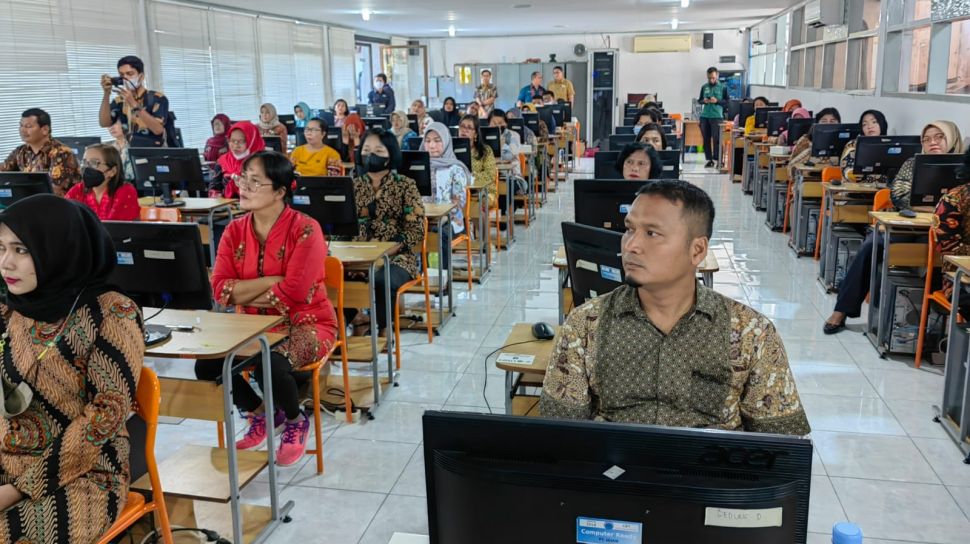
831,328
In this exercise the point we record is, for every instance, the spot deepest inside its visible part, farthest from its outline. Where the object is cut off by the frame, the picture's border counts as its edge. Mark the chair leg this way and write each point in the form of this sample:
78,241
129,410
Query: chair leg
397,331
468,250
316,418
348,402
221,432
427,303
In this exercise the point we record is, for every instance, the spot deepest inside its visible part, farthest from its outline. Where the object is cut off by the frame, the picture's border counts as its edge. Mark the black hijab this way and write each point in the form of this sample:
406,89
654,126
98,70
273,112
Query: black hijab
72,254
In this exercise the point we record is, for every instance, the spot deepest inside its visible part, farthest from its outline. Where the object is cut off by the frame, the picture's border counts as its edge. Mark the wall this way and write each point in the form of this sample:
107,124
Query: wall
905,115
677,77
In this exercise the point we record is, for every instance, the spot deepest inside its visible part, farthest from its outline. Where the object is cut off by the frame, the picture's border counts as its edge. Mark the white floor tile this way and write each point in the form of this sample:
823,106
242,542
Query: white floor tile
873,457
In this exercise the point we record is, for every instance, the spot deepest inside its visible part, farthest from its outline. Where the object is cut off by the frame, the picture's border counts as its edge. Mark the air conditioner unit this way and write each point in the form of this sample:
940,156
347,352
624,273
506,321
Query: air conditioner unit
819,13
662,43
765,34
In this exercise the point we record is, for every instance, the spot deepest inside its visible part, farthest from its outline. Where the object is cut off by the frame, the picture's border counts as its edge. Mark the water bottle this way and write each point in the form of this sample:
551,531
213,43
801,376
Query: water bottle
846,533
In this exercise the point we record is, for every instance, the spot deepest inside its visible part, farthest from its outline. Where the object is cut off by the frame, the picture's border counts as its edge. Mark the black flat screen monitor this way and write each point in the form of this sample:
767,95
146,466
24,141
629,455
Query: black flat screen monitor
413,143
550,115
531,120
417,166
619,141
463,150
378,109
77,144
830,140
273,143
567,112
161,264
761,116
933,177
491,136
380,122
329,200
624,129
413,123
159,170
327,117
884,155
453,131
630,119
557,112
600,482
798,128
670,163
746,109
732,110
604,203
604,165
361,109
592,254
777,121
289,121
18,185
517,126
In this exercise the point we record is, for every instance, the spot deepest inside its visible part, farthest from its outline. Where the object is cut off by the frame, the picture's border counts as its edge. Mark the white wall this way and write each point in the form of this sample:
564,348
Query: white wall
905,115
677,77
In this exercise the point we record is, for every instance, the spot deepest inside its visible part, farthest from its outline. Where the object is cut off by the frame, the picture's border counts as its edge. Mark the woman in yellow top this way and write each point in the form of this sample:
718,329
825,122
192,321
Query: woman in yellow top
315,158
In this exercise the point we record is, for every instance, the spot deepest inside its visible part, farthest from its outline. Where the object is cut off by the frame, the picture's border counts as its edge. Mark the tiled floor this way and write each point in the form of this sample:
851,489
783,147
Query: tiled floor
880,461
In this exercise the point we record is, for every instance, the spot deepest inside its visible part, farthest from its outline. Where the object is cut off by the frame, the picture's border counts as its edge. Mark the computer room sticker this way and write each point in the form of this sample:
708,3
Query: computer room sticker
607,531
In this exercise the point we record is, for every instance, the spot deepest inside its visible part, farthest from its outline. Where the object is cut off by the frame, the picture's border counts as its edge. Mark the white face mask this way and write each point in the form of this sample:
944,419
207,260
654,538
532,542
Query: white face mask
133,84
378,85
241,156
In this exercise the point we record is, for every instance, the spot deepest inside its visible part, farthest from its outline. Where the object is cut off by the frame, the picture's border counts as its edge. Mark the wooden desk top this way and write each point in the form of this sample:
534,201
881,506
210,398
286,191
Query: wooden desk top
351,253
893,219
806,169
433,211
852,188
505,166
191,204
216,334
709,265
480,185
960,261
763,145
559,259
540,349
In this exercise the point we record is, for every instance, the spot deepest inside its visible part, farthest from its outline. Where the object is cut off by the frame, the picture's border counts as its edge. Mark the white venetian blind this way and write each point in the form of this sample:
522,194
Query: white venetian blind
52,55
308,54
342,71
181,37
234,64
291,62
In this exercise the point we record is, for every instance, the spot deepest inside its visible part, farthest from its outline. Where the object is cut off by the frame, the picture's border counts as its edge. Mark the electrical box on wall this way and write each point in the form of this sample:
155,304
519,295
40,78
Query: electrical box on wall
819,13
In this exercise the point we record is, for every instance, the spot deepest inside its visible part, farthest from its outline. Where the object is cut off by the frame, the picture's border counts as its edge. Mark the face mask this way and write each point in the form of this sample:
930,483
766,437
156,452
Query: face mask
132,84
378,85
637,129
375,163
92,177
240,156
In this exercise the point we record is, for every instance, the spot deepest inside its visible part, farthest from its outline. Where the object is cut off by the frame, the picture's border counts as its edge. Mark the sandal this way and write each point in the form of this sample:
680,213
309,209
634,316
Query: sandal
833,328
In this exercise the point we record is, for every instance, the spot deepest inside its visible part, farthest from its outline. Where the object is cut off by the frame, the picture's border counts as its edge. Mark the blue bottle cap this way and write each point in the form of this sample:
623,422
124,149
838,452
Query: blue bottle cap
846,533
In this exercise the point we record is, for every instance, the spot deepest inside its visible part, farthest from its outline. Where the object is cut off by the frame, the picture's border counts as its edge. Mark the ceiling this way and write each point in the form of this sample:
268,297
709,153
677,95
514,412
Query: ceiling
431,18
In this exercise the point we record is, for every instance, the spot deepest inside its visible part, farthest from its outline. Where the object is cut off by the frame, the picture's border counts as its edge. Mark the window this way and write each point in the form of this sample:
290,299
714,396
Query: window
863,15
795,68
915,60
813,67
907,11
958,71
291,63
342,76
833,76
861,64
233,43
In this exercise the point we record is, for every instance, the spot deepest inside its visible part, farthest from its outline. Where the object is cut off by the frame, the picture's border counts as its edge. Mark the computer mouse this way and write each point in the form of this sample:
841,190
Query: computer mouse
542,331
836,182
907,213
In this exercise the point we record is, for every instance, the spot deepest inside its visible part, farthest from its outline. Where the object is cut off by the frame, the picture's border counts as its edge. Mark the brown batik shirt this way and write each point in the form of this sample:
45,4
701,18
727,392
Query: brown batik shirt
723,366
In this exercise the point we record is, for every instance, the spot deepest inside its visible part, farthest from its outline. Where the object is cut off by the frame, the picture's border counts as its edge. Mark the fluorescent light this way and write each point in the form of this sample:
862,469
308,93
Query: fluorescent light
451,30
365,14
674,23
684,3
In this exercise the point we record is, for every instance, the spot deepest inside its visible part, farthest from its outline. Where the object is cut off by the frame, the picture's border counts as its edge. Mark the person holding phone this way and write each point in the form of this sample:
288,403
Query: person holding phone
714,95
142,113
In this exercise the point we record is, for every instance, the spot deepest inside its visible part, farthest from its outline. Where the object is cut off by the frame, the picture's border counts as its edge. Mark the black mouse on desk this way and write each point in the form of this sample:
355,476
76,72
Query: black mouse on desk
907,213
542,331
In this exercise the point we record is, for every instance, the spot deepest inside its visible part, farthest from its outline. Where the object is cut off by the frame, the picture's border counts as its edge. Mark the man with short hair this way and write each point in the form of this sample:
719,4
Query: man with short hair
41,153
382,94
714,95
663,349
142,112
486,94
561,87
532,90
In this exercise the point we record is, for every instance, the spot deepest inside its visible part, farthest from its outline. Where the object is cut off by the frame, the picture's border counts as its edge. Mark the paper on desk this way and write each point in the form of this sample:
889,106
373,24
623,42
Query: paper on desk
515,359
358,247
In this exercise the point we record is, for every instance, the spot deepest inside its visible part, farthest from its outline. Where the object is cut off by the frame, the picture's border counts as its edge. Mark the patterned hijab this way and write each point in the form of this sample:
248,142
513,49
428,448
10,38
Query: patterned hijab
264,127
952,133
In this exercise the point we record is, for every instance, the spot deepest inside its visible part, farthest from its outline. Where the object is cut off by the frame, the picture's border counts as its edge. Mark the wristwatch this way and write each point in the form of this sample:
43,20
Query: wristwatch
136,110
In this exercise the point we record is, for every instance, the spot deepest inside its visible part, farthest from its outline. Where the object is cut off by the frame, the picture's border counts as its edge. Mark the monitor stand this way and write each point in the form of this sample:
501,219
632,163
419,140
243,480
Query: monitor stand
167,200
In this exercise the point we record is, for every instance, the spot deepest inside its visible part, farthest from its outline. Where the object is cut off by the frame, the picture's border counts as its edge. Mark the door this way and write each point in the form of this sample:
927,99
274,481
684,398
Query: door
364,70
406,67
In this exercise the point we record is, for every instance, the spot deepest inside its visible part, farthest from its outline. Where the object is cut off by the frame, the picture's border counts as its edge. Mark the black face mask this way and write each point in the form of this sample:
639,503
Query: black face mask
92,177
375,163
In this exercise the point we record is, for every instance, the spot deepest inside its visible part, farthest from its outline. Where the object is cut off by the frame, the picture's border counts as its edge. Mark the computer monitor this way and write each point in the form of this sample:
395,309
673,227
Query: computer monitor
18,185
746,109
732,110
592,254
463,150
517,125
567,112
289,121
159,170
417,166
381,122
77,144
327,117
453,131
761,116
548,116
329,200
335,137
274,143
378,110
630,119
499,478
884,155
604,165
604,202
413,123
161,264
531,120
667,128
619,141
933,176
830,140
798,128
777,121
413,143
624,129
491,136
361,109
670,159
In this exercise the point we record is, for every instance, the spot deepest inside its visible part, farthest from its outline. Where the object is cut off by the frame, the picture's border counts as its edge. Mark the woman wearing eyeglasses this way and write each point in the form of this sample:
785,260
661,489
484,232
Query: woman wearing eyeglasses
639,161
316,158
105,190
271,262
70,357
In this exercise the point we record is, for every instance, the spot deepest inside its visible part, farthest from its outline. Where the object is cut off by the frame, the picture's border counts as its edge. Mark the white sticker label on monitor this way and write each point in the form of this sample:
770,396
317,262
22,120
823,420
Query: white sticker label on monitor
614,472
668,168
161,255
6,193
301,200
742,519
334,198
894,151
141,161
126,257
586,265
607,531
515,359
417,167
610,273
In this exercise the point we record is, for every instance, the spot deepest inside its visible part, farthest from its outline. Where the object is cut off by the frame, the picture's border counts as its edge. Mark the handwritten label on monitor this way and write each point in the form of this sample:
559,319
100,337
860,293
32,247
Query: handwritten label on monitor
586,265
742,519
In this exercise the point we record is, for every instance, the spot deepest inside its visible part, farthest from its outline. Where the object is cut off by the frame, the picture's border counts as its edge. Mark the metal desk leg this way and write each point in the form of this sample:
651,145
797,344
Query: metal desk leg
510,207
375,355
212,230
563,278
955,392
509,391
451,273
442,247
388,307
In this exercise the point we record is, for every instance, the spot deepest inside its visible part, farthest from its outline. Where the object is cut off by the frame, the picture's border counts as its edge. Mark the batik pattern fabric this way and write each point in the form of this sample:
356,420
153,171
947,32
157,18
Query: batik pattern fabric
54,158
392,213
902,185
953,230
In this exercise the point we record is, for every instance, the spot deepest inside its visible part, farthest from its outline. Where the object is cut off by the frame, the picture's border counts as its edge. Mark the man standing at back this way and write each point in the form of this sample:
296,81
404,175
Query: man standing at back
561,87
713,96
531,91
382,94
485,95
142,113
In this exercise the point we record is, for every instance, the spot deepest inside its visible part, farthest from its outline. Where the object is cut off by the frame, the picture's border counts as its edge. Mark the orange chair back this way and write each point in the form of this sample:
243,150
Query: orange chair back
882,201
334,270
831,173
161,215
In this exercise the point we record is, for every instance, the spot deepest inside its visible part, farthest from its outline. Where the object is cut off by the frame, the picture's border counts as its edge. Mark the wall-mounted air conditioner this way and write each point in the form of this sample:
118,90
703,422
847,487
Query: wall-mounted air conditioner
662,43
820,13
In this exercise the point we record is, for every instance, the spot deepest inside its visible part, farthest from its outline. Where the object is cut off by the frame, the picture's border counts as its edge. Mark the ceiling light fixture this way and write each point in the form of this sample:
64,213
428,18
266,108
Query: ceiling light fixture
674,23
451,30
365,14
684,3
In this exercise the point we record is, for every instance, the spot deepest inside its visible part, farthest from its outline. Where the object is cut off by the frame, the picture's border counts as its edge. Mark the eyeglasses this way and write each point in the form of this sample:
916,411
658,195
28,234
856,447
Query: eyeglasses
934,139
246,183
93,163
312,129
633,163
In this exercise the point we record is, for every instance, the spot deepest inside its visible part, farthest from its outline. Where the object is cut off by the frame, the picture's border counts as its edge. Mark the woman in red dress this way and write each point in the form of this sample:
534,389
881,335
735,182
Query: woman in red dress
271,262
105,190
244,141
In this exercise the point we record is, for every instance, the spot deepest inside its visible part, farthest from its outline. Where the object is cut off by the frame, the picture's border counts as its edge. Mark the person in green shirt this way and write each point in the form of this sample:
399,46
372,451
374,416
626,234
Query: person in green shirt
713,95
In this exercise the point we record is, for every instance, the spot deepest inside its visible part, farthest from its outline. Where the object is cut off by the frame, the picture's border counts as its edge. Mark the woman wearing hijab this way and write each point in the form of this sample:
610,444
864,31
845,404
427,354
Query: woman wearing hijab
270,262
938,137
798,113
217,145
105,190
450,116
270,125
302,114
353,130
71,356
401,129
244,140
791,105
449,177
872,123
340,112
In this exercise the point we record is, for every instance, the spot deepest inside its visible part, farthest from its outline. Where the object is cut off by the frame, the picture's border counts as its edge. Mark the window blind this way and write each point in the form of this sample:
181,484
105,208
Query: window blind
342,70
234,64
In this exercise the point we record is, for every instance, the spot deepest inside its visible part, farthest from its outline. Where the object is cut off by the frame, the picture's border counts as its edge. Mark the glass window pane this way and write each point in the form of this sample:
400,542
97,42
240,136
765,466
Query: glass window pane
781,68
797,28
958,72
833,68
808,72
819,66
916,51
920,9
795,68
863,15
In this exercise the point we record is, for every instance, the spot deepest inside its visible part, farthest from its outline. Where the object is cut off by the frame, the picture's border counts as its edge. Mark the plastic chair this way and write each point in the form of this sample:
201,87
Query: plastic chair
422,279
466,238
160,215
938,297
147,397
882,201
524,168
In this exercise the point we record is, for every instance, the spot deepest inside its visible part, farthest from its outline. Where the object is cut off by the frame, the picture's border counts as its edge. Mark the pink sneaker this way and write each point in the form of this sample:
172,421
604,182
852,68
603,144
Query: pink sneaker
255,435
293,442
